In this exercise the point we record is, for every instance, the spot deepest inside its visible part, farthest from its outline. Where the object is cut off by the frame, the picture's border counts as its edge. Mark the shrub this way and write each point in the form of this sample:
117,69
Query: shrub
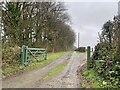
81,49
10,55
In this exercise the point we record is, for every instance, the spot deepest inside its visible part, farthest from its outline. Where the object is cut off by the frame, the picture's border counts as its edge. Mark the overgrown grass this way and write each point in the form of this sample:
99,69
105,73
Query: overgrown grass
18,68
92,80
55,70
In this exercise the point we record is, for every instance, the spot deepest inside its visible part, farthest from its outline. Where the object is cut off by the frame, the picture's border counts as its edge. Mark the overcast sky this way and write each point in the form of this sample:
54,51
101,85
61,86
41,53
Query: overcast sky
88,17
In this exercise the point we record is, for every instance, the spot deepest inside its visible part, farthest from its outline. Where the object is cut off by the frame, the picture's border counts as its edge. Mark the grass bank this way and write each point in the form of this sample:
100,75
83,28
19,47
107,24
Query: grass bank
90,79
18,68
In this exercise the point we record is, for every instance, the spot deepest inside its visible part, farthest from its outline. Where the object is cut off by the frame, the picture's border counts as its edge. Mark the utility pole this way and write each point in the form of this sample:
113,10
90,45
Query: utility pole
78,40
119,8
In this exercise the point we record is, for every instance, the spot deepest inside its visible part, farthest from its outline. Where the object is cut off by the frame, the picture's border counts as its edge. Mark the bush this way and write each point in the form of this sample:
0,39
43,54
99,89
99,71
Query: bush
81,49
106,64
10,55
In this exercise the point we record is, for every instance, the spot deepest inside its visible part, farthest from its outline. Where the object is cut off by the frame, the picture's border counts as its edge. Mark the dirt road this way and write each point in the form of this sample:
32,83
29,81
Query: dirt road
67,78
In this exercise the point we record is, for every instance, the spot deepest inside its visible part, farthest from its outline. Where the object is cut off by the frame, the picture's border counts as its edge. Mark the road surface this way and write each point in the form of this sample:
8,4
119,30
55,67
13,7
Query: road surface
67,78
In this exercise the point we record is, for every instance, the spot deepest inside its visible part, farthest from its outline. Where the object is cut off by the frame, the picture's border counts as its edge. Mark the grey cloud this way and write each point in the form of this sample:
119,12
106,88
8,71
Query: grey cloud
88,18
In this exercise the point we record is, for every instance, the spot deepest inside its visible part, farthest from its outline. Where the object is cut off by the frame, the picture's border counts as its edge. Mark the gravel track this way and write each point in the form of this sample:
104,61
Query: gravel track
25,80
67,78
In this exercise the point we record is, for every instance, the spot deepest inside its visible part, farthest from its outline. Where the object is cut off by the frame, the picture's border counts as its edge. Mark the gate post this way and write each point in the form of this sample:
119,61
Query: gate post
88,57
45,54
22,54
25,54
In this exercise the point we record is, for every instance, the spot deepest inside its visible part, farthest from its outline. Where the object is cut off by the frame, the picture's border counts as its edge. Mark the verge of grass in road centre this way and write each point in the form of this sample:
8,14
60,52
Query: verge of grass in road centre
58,68
33,65
55,70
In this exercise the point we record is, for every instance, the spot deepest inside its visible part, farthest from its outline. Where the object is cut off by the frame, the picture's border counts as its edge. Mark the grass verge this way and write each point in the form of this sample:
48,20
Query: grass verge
17,68
90,79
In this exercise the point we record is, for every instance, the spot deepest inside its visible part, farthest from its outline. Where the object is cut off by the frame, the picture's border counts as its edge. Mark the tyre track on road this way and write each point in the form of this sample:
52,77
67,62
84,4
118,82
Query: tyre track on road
68,78
27,80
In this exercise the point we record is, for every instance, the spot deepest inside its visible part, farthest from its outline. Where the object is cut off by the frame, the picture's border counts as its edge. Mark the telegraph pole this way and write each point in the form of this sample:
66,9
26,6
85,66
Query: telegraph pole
78,40
119,8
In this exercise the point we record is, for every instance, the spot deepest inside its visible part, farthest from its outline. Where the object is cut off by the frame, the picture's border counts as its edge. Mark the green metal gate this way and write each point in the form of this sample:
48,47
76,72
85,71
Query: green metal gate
26,54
